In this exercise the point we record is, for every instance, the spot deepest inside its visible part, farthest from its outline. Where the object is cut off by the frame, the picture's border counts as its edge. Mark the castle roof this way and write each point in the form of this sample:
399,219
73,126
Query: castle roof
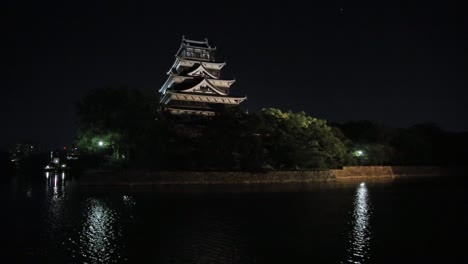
195,44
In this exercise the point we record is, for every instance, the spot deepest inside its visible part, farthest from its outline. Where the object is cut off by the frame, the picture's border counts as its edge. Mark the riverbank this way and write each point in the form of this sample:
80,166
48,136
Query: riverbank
135,178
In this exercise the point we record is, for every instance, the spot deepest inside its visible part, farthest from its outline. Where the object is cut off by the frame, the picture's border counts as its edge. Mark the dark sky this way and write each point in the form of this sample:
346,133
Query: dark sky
397,64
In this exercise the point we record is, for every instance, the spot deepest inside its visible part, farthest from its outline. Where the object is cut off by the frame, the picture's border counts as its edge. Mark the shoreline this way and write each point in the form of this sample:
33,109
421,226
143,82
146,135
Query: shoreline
348,173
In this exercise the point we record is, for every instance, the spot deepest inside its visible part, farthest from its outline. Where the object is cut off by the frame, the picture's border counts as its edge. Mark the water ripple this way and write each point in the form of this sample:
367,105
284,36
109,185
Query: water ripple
359,238
98,238
214,240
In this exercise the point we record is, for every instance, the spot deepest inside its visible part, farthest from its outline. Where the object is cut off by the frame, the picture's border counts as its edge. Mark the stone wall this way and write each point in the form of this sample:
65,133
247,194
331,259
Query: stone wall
236,177
387,171
211,177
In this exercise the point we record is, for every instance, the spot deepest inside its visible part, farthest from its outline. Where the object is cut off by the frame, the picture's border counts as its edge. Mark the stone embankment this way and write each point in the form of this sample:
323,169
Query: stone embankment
236,177
357,172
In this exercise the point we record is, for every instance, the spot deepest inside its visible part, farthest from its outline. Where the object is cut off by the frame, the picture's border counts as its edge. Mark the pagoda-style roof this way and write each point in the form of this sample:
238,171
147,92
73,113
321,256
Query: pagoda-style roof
205,83
201,71
183,83
181,61
197,97
195,44
194,86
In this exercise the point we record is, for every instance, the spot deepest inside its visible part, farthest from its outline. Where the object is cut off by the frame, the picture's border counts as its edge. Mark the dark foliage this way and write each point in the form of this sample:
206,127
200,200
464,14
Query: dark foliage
421,144
121,128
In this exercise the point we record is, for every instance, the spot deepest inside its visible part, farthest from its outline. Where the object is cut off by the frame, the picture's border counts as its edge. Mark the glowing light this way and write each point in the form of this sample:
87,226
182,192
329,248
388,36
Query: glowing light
47,175
47,167
63,165
63,175
56,160
358,153
100,143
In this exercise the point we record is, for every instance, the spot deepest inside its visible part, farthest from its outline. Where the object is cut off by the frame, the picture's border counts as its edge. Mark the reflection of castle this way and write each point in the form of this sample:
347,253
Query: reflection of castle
194,85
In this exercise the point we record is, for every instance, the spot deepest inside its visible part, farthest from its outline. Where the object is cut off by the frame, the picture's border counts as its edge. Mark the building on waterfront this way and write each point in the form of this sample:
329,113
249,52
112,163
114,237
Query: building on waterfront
194,85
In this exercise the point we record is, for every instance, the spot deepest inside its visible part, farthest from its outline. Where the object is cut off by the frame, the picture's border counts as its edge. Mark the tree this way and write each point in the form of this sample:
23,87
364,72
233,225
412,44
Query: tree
113,119
299,141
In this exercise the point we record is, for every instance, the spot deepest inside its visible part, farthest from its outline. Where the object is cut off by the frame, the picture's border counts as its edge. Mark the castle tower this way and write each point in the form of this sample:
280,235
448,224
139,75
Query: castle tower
194,85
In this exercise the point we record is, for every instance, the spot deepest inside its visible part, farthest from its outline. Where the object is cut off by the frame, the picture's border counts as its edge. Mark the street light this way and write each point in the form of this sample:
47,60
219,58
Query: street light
101,143
358,153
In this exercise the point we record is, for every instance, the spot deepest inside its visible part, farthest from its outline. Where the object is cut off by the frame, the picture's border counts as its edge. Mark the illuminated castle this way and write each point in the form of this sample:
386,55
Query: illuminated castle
194,85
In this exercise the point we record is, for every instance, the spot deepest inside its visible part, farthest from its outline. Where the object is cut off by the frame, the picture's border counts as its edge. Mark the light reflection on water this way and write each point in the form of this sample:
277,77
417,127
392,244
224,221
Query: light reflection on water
97,240
54,215
55,184
360,235
53,223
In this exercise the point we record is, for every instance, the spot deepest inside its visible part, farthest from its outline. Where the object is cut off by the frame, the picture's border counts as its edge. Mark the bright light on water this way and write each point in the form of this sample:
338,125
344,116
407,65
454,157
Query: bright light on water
360,235
97,240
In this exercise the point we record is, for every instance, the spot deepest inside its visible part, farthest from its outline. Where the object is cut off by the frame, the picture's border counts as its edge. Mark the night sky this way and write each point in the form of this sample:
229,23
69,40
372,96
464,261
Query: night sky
340,61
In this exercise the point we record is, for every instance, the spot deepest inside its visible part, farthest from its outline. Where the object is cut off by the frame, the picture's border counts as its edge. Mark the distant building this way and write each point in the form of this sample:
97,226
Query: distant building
23,150
194,85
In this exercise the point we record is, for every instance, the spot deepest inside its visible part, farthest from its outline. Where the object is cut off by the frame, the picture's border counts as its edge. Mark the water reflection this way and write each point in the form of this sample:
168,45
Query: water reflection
55,214
360,236
97,242
56,184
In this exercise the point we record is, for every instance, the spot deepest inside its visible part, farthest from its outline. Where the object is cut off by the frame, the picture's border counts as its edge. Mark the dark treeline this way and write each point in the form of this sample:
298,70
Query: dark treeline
123,127
420,144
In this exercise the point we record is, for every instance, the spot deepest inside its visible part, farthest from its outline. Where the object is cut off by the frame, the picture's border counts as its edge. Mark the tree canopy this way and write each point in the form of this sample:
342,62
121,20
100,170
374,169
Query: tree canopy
123,124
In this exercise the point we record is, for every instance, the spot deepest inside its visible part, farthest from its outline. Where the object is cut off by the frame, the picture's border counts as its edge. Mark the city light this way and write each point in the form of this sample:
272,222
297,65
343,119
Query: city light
101,143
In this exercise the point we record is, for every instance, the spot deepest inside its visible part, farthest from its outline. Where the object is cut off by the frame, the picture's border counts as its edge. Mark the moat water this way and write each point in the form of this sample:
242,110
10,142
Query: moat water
421,220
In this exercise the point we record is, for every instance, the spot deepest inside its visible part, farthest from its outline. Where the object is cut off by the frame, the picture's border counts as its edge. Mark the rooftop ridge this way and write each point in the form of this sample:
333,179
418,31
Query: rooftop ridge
198,42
